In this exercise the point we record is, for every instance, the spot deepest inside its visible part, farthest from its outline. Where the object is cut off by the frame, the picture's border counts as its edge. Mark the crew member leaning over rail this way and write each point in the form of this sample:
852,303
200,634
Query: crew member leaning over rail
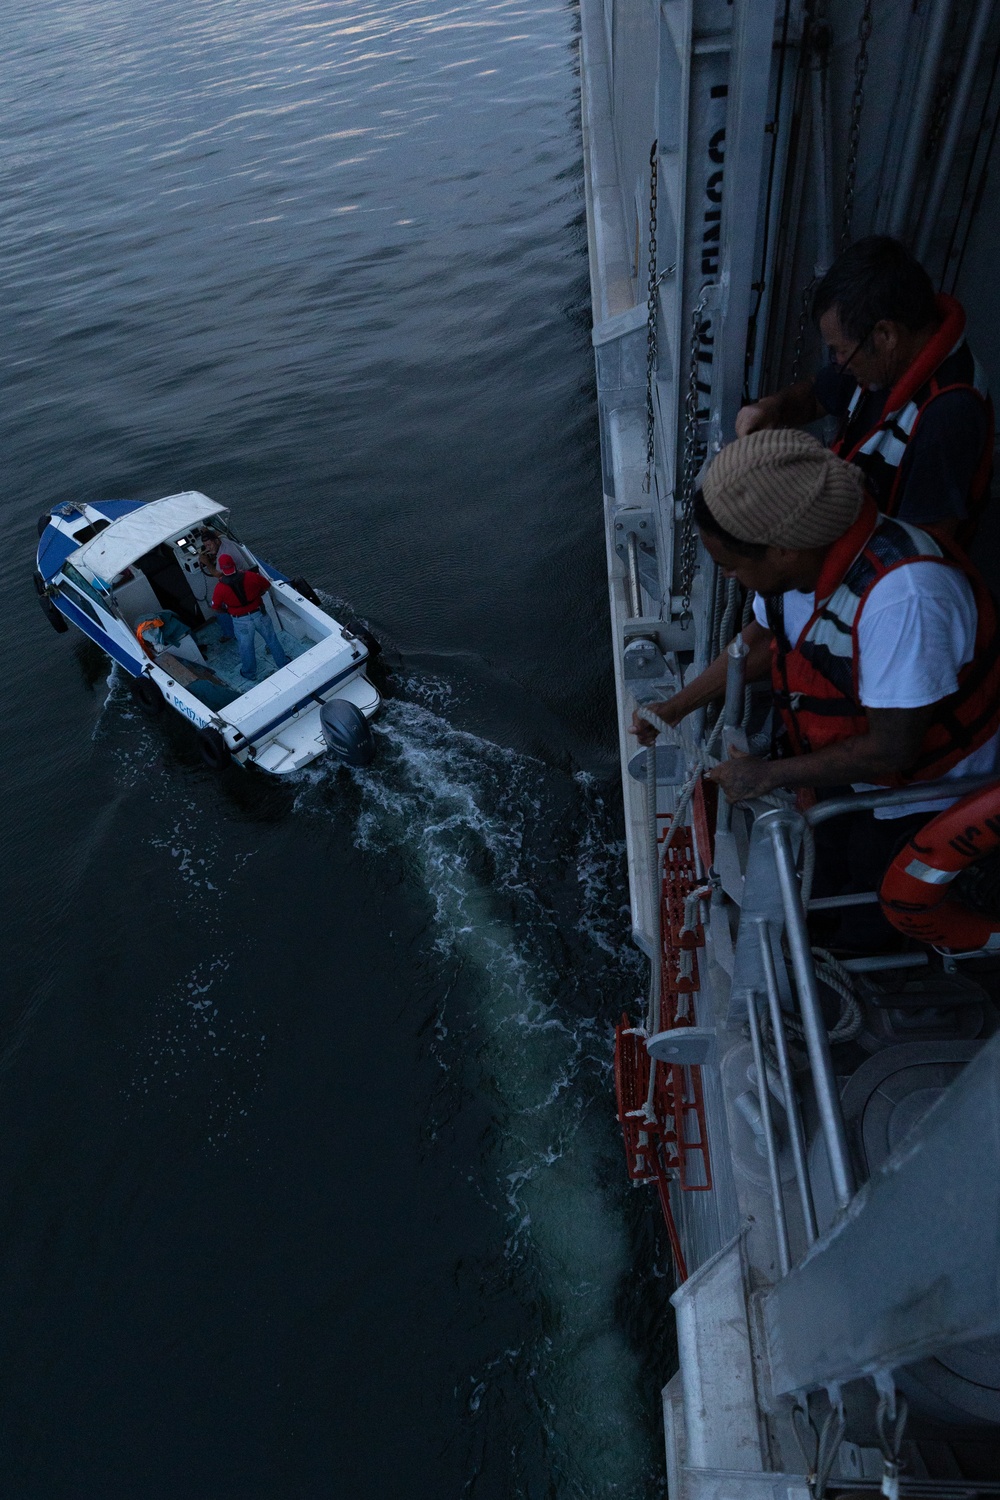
882,643
910,396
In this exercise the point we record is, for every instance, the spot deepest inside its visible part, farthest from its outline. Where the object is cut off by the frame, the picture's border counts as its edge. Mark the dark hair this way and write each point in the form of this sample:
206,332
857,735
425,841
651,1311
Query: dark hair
876,278
705,521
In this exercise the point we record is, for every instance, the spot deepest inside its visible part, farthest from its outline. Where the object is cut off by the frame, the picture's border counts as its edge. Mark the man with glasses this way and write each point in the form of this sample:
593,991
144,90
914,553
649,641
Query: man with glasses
909,395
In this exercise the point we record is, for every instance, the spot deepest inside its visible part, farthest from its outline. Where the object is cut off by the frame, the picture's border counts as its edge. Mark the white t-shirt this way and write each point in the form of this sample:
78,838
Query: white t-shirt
918,627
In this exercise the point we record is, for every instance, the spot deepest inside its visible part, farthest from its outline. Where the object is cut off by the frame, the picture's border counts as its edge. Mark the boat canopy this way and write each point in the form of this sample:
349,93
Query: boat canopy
137,533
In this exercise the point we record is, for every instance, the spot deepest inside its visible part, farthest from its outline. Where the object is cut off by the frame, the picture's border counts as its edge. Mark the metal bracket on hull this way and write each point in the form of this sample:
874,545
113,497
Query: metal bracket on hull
687,1045
636,544
669,765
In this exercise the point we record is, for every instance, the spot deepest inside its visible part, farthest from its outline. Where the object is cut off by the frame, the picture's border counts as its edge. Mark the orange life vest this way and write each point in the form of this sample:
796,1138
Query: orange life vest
946,363
816,678
140,630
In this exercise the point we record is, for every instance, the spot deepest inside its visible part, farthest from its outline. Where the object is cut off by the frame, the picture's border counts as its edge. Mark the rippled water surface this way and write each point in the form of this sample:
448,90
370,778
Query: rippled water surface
309,1179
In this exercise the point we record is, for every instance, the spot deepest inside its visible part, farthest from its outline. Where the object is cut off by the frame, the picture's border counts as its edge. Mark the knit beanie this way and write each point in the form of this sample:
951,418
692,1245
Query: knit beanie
781,487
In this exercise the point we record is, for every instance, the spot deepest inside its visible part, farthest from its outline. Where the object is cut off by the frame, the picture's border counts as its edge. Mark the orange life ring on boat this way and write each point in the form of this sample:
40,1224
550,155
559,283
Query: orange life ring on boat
914,891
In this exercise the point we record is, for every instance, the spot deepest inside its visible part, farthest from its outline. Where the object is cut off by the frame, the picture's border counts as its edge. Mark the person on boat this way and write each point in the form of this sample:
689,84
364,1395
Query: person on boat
909,395
208,552
882,643
240,595
208,561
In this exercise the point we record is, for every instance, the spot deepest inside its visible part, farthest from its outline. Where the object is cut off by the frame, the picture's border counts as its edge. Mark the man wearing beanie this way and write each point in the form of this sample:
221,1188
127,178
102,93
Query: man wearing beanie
908,394
882,647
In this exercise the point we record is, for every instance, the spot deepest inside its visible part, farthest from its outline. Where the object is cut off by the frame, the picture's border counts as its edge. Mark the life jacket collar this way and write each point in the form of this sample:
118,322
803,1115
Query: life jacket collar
845,549
935,351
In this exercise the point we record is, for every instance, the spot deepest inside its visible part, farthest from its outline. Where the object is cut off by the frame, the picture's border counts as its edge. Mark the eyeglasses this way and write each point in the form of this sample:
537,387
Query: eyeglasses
841,365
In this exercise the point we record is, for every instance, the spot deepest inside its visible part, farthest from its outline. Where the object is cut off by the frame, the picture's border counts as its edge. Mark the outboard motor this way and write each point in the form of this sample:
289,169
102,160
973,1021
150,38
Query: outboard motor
347,732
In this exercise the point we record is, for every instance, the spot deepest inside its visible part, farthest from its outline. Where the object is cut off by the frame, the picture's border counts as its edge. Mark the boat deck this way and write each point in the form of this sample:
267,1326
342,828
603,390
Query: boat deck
222,655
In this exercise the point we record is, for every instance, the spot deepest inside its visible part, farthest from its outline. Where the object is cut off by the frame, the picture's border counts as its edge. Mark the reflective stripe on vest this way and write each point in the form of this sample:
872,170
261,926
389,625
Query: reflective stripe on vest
815,678
946,363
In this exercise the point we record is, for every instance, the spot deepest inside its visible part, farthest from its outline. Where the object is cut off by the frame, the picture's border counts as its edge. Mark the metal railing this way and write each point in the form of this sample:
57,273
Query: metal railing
774,907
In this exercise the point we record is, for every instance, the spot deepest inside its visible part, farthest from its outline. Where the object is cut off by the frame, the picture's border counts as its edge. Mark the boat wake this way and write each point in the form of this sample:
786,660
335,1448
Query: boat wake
522,868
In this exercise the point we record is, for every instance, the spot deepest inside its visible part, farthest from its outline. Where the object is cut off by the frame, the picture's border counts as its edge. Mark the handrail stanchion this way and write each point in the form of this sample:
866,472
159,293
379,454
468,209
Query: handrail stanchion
736,677
813,1025
773,1169
732,713
795,1136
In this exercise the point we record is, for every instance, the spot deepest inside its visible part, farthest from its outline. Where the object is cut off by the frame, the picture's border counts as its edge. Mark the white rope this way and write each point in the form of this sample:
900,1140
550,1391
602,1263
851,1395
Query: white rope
692,916
652,833
687,790
659,724
831,972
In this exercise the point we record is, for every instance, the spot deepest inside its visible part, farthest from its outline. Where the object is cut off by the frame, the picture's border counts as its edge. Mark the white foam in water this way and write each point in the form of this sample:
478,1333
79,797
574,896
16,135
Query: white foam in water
456,803
480,824
203,1027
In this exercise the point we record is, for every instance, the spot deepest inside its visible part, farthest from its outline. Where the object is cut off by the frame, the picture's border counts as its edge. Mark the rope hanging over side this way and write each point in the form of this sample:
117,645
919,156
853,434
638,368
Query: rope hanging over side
658,855
698,770
652,839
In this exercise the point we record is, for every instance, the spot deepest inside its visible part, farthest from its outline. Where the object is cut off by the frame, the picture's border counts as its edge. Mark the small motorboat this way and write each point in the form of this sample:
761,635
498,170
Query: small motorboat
133,576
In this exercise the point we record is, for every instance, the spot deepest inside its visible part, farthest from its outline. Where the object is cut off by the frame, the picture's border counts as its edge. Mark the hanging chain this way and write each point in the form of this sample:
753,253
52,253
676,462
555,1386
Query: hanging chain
694,456
854,130
800,337
651,320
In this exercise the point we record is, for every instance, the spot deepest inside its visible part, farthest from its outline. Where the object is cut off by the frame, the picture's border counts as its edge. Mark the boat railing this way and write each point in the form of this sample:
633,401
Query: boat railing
775,983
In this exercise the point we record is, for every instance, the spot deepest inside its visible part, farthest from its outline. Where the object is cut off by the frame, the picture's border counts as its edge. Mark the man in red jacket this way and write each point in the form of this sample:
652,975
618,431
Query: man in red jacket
241,596
909,396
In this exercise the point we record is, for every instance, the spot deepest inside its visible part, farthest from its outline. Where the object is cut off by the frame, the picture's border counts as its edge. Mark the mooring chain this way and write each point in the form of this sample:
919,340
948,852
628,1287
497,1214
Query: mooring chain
854,129
651,320
800,337
694,454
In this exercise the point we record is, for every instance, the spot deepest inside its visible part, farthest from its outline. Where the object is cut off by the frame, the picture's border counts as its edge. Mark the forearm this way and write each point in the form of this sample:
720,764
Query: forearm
888,748
861,758
796,405
709,686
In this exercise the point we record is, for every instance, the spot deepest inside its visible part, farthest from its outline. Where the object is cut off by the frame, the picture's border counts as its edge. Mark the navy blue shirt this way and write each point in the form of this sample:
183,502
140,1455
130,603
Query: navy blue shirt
941,457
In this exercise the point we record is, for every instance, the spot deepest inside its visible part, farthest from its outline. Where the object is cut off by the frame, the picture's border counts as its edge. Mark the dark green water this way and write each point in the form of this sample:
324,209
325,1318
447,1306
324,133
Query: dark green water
309,1179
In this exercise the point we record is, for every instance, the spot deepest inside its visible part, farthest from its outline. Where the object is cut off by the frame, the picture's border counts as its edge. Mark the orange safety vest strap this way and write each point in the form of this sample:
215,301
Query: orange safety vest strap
945,364
816,688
